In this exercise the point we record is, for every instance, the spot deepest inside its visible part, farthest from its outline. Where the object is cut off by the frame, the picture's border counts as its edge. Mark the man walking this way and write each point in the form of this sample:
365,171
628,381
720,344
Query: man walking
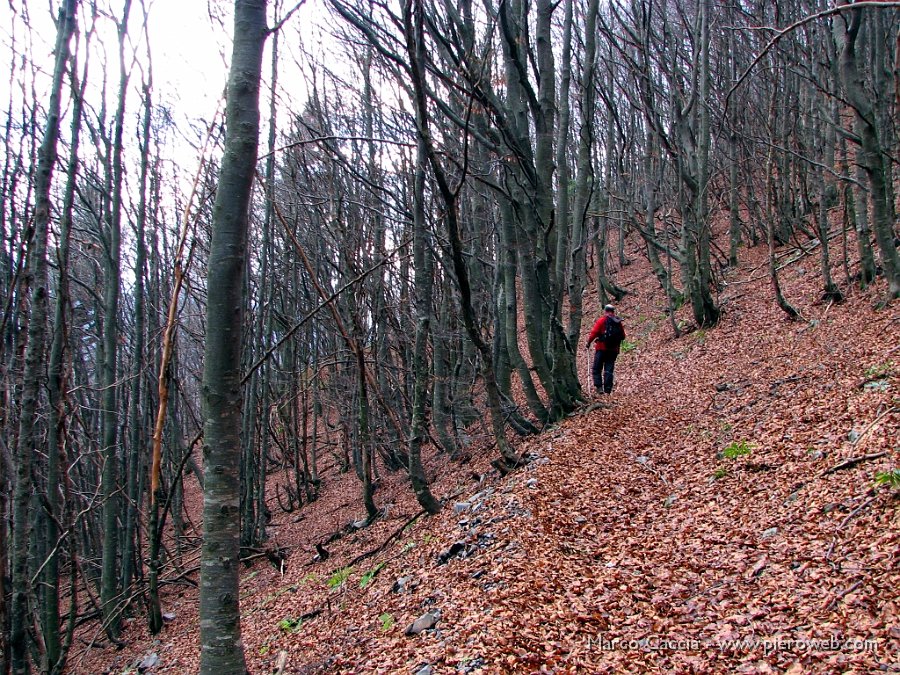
607,334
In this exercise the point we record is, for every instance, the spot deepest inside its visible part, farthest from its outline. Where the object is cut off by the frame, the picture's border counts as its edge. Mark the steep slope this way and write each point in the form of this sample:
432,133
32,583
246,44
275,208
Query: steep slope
696,521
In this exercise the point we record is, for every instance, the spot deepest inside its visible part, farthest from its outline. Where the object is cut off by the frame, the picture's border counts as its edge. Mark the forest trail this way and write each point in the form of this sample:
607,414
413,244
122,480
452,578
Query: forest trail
691,523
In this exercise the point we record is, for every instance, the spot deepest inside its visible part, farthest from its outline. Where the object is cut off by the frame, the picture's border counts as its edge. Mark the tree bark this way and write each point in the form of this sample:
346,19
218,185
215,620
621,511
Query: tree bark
56,388
870,151
36,270
109,581
220,628
424,273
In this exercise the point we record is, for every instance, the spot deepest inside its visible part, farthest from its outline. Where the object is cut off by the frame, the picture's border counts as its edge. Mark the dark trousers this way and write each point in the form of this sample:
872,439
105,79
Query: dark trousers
602,370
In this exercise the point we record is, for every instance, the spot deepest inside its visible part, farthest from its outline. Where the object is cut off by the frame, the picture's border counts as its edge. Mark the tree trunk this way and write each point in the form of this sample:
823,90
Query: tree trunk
220,629
870,151
109,581
137,437
413,21
32,376
424,273
584,178
56,388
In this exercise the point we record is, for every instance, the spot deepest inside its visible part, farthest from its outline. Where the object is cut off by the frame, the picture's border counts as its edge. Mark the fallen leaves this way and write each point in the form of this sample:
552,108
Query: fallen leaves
614,551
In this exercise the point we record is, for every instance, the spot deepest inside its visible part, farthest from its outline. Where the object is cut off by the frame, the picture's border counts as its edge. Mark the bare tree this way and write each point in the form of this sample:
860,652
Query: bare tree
220,627
33,375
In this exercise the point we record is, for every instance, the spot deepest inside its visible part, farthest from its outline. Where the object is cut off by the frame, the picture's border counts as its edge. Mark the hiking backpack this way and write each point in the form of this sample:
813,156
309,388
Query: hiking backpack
613,333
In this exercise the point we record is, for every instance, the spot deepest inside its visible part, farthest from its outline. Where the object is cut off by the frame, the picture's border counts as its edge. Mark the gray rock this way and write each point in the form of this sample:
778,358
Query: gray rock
877,385
425,670
168,616
643,459
531,483
481,496
149,662
423,623
771,532
470,666
460,507
458,548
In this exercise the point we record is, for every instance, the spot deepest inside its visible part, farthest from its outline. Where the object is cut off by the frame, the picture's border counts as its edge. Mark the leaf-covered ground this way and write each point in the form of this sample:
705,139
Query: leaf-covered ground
697,521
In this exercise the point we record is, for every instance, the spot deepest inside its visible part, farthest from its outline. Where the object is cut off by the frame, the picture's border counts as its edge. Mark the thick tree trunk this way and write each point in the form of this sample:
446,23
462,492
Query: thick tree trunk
36,270
220,629
870,151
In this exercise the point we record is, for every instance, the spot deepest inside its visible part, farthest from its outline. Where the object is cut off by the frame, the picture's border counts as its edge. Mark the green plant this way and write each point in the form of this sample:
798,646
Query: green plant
720,473
370,575
890,478
338,578
289,625
426,539
386,620
736,449
408,546
263,650
879,371
627,346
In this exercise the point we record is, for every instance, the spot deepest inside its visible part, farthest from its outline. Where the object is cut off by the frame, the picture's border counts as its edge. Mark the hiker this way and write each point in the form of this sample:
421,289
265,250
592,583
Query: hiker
608,333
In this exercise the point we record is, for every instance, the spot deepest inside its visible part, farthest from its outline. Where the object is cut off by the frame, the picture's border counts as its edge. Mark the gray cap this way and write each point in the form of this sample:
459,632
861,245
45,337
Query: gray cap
609,308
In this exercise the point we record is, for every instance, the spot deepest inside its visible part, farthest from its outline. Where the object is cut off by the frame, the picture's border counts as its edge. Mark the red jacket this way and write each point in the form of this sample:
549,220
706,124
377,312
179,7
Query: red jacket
597,331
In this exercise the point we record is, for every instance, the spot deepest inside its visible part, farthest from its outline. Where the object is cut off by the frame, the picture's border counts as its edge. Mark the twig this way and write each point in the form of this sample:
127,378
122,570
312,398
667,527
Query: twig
837,598
873,423
855,511
846,520
387,541
853,461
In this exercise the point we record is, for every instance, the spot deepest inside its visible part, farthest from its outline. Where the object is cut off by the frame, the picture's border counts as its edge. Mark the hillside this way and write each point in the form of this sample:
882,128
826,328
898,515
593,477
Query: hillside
639,538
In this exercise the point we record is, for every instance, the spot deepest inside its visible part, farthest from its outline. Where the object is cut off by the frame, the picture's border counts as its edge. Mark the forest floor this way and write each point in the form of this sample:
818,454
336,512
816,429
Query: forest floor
639,538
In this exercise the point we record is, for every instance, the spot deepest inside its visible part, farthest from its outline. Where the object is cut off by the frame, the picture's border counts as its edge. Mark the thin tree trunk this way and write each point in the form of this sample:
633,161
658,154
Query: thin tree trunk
413,21
135,407
770,209
584,178
424,280
109,581
56,388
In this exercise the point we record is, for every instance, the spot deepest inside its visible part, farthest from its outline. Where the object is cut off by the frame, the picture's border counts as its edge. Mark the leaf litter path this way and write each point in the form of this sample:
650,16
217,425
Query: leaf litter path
629,543
632,544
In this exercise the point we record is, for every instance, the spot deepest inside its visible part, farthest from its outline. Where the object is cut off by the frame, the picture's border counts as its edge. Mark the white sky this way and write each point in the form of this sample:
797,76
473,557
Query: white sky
189,50
189,55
